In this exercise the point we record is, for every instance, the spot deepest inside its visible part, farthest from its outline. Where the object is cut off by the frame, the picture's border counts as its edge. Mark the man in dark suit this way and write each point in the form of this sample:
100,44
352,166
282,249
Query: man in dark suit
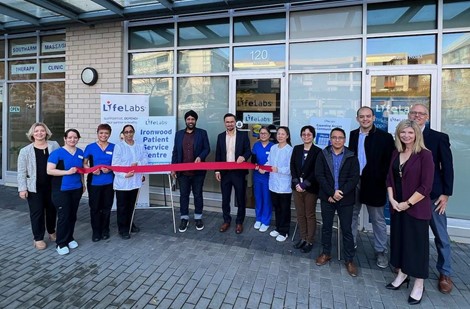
374,148
191,146
439,145
232,146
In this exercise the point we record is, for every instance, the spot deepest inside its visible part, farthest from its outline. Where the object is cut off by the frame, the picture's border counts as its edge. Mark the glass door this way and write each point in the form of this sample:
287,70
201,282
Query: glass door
392,93
1,132
257,101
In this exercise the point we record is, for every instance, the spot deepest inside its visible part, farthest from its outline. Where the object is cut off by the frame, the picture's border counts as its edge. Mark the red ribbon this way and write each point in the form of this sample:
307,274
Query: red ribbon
179,167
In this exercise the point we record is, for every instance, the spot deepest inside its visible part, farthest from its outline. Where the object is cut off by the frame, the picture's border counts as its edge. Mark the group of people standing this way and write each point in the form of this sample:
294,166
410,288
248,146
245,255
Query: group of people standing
413,173
48,179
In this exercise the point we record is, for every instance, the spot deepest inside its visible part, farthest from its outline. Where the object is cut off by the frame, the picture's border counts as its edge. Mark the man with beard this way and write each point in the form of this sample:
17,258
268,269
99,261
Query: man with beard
191,146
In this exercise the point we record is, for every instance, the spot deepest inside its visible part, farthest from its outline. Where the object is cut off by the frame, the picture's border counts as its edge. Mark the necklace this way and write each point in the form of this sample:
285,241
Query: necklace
400,169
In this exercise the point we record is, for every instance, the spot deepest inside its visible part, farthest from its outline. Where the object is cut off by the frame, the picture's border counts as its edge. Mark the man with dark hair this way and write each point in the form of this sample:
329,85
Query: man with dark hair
191,146
438,143
232,146
374,148
337,172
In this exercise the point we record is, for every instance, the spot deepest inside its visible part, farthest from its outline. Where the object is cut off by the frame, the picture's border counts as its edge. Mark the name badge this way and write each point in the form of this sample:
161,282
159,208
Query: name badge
109,153
80,157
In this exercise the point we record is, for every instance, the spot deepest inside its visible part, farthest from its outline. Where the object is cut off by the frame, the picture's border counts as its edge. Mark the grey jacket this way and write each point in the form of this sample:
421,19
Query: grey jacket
27,166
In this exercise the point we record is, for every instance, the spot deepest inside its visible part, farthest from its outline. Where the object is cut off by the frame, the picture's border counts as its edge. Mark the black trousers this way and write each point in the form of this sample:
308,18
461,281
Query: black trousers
235,179
345,213
409,244
281,204
125,203
100,201
41,209
66,203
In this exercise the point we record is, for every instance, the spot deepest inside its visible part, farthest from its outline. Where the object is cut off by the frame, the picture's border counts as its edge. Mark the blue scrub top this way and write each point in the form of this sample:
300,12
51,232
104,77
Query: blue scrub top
261,154
96,156
64,160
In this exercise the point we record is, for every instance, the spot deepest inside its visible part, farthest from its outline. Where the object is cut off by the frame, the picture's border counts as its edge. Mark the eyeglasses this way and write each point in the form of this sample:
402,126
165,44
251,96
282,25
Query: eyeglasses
421,114
337,138
128,132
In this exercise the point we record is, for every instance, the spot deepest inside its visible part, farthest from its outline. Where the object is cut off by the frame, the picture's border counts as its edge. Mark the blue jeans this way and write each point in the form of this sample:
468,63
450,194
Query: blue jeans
188,183
438,226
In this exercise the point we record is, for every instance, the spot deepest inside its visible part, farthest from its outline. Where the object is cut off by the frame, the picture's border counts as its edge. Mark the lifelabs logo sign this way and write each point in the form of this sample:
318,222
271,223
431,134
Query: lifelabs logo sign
115,107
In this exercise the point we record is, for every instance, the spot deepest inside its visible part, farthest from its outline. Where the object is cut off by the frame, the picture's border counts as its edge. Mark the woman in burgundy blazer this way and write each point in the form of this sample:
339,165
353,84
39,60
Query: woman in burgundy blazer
409,184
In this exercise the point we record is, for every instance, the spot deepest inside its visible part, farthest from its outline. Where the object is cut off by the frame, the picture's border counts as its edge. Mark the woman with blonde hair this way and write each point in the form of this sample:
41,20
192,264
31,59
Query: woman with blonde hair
34,185
409,184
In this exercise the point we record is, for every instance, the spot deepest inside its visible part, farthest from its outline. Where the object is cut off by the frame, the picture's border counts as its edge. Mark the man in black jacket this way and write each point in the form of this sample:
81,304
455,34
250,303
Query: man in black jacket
374,148
337,172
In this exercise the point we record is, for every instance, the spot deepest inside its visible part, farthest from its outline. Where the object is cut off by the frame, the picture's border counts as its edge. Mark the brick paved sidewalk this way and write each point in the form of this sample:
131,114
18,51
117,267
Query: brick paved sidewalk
196,269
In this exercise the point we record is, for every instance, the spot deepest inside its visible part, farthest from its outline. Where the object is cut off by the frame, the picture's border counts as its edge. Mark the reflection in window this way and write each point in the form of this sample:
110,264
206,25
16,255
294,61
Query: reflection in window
53,68
23,47
21,99
401,16
203,60
203,32
2,49
326,95
456,122
160,91
456,13
326,55
261,57
53,45
207,96
401,50
151,37
259,28
22,69
456,48
151,63
319,23
2,70
53,108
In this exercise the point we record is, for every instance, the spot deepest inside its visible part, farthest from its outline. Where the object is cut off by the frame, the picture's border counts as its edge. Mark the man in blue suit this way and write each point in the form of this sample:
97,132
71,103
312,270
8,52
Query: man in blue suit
191,146
232,146
439,145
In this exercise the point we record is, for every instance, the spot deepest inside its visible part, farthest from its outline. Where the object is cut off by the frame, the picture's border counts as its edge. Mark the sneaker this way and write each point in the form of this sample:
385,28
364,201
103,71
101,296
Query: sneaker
382,260
199,225
73,244
274,233
263,228
257,225
281,238
63,251
183,226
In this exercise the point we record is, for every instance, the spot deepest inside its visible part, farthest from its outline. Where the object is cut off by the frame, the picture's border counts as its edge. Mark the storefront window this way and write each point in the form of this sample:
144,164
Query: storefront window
53,45
151,37
53,108
456,13
326,55
151,63
160,91
203,61
22,114
208,96
323,96
326,23
456,48
260,57
26,47
401,50
401,16
455,115
259,28
53,68
22,69
203,32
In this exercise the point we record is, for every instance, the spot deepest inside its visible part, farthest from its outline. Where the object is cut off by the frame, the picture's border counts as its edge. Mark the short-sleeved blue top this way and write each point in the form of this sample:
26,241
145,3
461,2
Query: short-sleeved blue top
261,154
96,156
64,160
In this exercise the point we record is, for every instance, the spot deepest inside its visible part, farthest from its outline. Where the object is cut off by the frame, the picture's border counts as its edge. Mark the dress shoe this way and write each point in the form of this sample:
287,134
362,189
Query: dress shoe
105,235
307,248
322,259
135,229
40,244
224,227
95,239
125,235
445,284
413,301
390,286
351,268
239,228
300,244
